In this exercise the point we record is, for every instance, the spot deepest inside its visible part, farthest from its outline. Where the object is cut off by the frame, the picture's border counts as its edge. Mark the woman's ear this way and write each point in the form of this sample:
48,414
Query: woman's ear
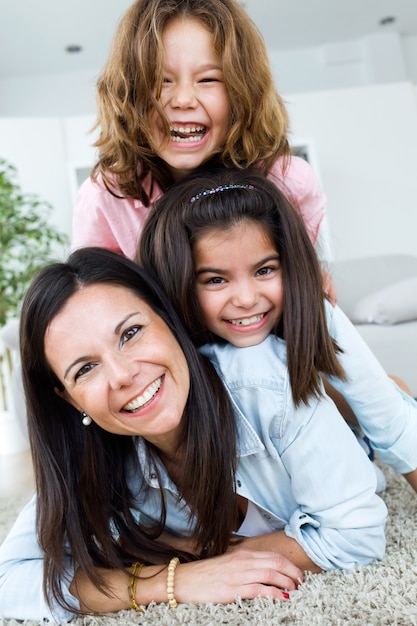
64,395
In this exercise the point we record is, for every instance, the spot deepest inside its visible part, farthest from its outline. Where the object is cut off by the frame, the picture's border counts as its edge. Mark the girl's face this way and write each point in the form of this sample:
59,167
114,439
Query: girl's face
239,283
193,96
120,363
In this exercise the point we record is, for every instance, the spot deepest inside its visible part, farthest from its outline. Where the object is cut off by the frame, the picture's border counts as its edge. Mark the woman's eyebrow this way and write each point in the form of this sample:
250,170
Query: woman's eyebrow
117,330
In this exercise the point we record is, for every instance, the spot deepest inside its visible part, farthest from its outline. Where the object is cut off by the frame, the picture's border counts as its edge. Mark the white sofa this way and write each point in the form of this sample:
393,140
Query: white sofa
379,295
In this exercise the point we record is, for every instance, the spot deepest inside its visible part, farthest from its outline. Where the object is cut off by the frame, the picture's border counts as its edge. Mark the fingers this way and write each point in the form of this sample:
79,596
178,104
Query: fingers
268,568
244,574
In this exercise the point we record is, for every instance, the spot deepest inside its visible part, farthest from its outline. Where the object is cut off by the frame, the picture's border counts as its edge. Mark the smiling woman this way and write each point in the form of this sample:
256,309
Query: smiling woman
135,378
167,469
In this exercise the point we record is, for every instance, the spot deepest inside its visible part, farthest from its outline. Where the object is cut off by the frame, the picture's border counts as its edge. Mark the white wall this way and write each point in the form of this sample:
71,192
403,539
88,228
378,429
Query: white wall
35,147
366,144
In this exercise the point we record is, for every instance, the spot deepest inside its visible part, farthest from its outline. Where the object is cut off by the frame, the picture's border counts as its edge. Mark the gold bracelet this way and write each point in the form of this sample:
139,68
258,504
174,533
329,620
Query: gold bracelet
133,580
170,582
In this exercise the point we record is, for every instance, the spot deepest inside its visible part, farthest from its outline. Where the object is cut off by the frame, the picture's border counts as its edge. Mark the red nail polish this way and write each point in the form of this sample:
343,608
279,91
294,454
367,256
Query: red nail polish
285,595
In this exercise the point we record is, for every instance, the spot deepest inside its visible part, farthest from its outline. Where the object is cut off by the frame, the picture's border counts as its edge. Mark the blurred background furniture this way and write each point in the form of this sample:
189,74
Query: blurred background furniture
379,295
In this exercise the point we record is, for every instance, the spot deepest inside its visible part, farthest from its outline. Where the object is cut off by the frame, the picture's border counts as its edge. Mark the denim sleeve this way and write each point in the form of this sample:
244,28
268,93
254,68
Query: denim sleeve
339,520
21,574
386,414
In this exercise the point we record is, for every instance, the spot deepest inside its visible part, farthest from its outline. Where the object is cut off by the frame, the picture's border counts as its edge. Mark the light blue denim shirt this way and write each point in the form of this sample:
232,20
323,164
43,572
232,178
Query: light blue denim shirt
301,466
387,415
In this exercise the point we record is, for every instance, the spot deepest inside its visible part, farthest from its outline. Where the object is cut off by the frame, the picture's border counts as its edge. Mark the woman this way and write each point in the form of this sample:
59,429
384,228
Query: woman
136,452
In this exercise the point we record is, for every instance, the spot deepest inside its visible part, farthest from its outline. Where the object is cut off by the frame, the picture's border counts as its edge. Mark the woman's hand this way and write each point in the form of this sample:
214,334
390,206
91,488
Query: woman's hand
240,573
245,574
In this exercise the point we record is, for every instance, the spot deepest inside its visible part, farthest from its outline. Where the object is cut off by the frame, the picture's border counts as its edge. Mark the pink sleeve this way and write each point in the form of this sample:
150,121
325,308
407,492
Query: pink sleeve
101,219
302,188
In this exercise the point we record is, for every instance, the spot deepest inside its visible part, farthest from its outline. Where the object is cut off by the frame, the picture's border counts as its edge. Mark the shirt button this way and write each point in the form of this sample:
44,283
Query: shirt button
153,476
267,516
302,516
238,483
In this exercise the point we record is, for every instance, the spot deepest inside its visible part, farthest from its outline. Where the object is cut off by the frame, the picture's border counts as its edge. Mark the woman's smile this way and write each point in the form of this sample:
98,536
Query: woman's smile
144,398
119,362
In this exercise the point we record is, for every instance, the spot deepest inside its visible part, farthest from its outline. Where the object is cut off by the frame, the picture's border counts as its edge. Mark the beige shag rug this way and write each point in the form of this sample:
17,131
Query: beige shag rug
382,594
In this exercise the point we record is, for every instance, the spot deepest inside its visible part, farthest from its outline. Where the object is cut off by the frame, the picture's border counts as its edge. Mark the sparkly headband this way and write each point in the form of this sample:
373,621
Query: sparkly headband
208,192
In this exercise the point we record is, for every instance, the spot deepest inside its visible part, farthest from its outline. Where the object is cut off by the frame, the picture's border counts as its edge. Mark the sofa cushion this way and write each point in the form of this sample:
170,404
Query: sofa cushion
391,305
377,290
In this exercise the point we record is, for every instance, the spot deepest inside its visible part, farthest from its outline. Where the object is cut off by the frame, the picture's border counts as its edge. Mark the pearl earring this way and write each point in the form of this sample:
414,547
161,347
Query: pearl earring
86,419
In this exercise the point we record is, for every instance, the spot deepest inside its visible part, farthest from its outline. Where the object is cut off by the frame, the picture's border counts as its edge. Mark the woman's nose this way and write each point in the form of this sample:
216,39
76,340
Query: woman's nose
120,371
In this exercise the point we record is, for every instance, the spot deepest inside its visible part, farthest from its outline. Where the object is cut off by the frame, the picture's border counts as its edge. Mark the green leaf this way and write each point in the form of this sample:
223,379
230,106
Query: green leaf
27,240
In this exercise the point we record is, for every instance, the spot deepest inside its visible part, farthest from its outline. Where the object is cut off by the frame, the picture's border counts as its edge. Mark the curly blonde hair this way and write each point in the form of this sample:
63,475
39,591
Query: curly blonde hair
130,84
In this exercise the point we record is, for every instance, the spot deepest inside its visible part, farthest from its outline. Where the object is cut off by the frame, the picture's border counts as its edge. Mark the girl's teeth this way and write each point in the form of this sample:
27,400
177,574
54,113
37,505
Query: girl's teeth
185,133
246,321
145,397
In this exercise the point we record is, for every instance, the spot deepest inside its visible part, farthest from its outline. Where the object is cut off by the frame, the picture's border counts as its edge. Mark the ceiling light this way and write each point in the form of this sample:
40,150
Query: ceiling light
73,49
387,20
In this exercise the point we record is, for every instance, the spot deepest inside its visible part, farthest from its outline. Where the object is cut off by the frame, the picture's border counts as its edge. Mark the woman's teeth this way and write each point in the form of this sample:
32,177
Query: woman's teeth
147,395
246,321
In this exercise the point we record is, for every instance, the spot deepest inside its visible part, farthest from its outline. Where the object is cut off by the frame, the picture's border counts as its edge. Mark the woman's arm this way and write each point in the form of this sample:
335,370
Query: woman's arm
246,574
242,573
21,572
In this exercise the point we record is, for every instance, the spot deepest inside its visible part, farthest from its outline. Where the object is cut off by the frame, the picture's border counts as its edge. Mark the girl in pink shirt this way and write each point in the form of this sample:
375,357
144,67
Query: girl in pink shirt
198,91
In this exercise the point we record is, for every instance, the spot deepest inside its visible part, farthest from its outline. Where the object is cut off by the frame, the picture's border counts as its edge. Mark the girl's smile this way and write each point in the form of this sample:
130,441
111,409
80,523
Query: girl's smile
119,362
239,283
193,96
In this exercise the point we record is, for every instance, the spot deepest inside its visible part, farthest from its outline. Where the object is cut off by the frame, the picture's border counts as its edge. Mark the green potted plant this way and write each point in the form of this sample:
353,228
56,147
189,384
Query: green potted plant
27,240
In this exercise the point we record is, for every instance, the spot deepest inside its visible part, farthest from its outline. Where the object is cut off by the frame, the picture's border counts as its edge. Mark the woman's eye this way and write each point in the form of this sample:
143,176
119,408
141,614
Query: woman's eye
84,370
130,333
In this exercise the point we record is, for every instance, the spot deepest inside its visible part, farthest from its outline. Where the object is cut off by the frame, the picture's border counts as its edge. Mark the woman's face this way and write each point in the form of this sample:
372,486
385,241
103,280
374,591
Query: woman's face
194,98
119,362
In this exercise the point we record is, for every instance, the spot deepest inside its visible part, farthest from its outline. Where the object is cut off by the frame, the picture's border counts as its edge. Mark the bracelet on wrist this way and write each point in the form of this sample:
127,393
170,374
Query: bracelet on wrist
170,582
133,580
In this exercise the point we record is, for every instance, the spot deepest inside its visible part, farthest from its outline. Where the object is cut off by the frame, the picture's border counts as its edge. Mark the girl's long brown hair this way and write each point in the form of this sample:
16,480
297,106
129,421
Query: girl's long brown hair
175,224
85,508
129,87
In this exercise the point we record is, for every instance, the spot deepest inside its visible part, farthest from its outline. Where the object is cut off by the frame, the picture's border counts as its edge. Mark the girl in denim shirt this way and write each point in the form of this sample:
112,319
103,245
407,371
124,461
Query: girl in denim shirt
235,260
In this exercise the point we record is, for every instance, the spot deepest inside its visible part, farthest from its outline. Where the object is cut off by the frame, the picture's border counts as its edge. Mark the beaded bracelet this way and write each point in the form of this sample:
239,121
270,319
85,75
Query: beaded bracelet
133,580
170,582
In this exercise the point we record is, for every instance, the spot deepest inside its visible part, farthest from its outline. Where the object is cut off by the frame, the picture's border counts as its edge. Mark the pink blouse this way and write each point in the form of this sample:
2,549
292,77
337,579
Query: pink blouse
100,219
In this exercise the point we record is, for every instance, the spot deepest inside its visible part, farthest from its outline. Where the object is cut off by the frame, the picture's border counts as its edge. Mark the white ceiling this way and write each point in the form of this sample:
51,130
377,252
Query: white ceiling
35,33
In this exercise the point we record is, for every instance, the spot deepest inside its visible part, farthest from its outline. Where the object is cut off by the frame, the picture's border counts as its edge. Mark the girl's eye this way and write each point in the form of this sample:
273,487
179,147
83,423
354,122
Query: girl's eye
216,280
130,333
209,79
264,271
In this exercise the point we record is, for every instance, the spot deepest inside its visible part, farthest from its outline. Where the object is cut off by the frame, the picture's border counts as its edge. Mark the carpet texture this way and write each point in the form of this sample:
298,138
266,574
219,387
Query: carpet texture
382,594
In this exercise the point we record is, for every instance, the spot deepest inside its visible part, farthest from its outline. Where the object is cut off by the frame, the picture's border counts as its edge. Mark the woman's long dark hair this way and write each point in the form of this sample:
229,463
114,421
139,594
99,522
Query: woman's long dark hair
176,223
82,473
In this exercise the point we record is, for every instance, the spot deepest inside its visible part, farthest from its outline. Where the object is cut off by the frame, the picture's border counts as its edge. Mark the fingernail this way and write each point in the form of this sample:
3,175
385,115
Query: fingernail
285,595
